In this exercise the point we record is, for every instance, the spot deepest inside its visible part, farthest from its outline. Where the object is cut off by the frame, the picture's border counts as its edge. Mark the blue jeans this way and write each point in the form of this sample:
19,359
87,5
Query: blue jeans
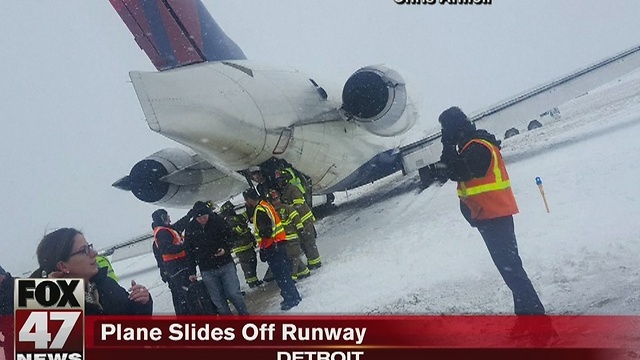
222,284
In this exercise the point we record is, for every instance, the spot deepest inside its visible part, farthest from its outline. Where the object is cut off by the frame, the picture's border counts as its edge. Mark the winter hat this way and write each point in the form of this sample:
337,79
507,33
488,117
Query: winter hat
200,208
159,216
250,194
454,120
227,207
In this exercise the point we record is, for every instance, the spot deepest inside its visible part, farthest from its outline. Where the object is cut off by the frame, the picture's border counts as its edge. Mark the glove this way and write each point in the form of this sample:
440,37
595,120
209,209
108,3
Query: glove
263,255
449,154
439,171
449,137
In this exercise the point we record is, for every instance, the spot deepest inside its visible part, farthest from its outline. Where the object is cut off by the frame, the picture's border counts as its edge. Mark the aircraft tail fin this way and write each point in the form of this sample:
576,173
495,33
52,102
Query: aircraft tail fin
175,33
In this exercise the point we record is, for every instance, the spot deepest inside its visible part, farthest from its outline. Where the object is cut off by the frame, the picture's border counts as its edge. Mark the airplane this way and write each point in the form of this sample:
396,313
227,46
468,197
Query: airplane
233,114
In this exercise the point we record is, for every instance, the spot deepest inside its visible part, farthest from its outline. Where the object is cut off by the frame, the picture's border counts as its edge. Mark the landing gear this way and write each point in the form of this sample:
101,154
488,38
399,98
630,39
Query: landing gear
326,207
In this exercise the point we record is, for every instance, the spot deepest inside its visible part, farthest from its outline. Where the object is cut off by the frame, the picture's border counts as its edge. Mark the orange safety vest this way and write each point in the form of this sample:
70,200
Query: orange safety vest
489,197
277,231
177,239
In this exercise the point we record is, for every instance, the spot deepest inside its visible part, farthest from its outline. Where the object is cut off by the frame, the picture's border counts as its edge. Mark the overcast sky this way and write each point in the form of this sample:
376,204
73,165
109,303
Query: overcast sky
72,123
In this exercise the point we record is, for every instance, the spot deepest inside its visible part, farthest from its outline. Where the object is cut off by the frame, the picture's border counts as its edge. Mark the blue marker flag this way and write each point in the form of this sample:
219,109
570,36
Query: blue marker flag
544,198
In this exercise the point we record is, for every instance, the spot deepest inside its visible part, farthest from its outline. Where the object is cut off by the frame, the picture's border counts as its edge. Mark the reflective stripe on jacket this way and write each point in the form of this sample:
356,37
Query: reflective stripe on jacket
292,196
177,239
277,230
490,196
290,221
294,180
244,240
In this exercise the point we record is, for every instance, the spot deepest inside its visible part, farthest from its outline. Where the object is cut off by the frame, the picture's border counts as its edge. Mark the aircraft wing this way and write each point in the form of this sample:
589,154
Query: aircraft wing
527,110
519,111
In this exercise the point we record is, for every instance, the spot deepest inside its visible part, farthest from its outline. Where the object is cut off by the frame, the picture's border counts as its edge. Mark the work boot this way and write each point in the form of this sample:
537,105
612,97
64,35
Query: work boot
302,276
255,284
284,306
314,266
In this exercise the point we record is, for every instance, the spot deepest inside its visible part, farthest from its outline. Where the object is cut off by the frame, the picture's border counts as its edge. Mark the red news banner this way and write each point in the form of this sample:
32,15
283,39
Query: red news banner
365,337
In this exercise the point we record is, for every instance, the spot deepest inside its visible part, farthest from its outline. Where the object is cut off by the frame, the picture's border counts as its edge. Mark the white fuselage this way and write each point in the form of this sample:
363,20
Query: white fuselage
233,113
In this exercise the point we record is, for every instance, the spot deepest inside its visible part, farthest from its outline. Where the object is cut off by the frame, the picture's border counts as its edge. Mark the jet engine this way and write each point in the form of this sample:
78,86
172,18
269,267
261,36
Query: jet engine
376,97
178,178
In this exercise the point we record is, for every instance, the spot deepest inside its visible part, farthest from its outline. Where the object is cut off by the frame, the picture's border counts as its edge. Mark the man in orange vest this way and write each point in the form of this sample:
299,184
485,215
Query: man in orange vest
472,158
272,238
168,247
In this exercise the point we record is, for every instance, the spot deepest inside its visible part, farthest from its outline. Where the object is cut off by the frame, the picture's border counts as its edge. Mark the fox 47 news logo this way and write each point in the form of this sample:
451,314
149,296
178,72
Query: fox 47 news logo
49,319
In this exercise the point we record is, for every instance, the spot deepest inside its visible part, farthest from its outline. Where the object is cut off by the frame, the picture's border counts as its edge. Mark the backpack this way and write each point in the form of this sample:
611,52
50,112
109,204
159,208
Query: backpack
198,300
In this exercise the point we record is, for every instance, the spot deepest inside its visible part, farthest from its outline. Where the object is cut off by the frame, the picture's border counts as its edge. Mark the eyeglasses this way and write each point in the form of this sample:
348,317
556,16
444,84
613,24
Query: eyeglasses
87,250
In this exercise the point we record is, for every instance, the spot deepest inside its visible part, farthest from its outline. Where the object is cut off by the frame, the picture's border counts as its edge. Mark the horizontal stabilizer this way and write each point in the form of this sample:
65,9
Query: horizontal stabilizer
176,33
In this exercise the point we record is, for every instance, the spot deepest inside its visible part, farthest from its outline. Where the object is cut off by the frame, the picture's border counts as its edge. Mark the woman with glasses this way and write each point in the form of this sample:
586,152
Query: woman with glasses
65,253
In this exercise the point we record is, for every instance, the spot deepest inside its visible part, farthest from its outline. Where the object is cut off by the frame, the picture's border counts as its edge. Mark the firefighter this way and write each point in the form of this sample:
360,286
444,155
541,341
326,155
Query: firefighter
243,243
263,181
103,262
486,200
292,225
290,194
298,181
270,235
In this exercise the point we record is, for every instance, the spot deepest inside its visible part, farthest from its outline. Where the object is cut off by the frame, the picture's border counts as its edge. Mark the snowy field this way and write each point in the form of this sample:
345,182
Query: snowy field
389,248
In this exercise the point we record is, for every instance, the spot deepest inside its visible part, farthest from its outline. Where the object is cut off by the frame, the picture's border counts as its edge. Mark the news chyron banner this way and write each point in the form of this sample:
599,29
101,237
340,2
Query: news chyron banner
364,337
49,319
50,325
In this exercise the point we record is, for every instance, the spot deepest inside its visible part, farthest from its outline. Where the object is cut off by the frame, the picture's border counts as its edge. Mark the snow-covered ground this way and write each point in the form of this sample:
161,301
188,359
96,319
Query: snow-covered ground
389,248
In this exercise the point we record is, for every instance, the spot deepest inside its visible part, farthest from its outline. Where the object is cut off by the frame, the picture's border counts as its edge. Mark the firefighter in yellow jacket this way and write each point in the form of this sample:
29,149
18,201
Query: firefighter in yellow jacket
290,194
473,159
243,243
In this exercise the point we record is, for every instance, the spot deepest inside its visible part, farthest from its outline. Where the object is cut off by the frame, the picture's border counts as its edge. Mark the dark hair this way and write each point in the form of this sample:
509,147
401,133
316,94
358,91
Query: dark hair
54,247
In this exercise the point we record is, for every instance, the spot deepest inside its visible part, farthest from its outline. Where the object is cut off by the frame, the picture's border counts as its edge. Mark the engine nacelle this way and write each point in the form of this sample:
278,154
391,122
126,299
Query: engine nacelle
178,178
376,97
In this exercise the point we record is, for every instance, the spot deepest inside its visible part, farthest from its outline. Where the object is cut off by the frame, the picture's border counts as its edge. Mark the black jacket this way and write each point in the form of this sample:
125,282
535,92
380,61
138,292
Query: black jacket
166,246
6,294
114,299
469,164
474,161
202,242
